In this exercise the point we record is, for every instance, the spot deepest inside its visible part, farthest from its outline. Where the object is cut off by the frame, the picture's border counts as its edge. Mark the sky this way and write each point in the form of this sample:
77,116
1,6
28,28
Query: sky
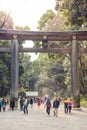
26,12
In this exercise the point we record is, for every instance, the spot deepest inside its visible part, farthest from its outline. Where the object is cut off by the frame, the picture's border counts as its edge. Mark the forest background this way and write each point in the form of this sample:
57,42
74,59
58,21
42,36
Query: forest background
50,73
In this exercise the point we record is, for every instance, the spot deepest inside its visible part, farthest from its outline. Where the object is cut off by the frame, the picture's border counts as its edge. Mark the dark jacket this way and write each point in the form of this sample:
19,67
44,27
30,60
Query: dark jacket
12,103
56,104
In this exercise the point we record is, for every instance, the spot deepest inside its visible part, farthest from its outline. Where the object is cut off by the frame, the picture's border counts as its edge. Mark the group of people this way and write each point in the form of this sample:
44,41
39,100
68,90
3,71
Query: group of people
5,102
24,102
55,105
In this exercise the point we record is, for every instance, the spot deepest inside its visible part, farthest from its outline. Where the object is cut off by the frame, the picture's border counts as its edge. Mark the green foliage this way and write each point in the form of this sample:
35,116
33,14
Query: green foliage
21,92
51,78
45,19
5,74
74,11
75,17
30,72
21,70
6,22
24,61
25,28
57,73
83,102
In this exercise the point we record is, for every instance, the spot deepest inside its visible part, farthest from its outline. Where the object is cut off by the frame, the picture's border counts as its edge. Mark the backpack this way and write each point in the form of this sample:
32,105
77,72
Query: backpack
48,104
27,102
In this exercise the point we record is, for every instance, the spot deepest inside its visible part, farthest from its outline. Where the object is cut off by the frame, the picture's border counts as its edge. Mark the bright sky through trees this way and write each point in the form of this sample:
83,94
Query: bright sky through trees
26,12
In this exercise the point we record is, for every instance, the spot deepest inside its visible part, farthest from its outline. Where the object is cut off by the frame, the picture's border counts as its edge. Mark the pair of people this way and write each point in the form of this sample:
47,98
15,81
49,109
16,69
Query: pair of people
56,104
67,105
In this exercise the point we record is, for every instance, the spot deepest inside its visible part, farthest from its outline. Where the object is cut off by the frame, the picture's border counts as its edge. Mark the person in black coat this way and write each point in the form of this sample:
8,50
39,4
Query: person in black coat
31,102
12,104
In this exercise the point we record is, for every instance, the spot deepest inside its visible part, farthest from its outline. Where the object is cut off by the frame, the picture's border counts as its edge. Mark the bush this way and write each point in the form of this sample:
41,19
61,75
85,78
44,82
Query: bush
83,102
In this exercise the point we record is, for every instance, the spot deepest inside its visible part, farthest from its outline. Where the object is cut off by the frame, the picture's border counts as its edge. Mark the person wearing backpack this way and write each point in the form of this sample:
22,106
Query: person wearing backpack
48,106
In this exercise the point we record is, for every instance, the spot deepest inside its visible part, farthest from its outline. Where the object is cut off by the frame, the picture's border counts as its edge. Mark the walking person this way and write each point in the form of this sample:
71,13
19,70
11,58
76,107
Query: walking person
70,105
31,102
38,103
12,104
25,105
21,104
0,104
4,105
56,104
48,106
65,105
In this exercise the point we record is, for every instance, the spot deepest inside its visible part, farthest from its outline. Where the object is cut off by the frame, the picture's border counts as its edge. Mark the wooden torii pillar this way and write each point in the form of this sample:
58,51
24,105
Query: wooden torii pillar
14,69
75,73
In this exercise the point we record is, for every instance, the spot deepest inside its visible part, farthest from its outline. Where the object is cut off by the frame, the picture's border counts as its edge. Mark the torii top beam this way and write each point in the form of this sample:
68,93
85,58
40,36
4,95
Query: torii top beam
6,34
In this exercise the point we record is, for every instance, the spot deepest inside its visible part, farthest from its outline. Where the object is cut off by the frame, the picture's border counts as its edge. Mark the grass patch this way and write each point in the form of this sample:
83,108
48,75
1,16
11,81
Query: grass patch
83,102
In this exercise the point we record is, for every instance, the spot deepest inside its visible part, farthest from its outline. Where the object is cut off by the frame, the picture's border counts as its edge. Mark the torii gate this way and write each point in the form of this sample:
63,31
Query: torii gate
72,36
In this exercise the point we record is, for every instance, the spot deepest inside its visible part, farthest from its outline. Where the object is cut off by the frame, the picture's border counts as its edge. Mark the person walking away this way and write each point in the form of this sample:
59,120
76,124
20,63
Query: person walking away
0,104
31,102
48,106
38,103
65,105
4,105
56,104
70,105
21,104
12,104
25,105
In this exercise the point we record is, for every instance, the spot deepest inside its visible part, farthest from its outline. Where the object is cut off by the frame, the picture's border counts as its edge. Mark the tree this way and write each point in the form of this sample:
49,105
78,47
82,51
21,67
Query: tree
75,11
45,19
21,70
5,20
5,58
78,12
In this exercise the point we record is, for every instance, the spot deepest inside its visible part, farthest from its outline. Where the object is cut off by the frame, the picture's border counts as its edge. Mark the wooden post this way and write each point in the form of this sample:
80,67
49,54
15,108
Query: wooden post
75,74
14,70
